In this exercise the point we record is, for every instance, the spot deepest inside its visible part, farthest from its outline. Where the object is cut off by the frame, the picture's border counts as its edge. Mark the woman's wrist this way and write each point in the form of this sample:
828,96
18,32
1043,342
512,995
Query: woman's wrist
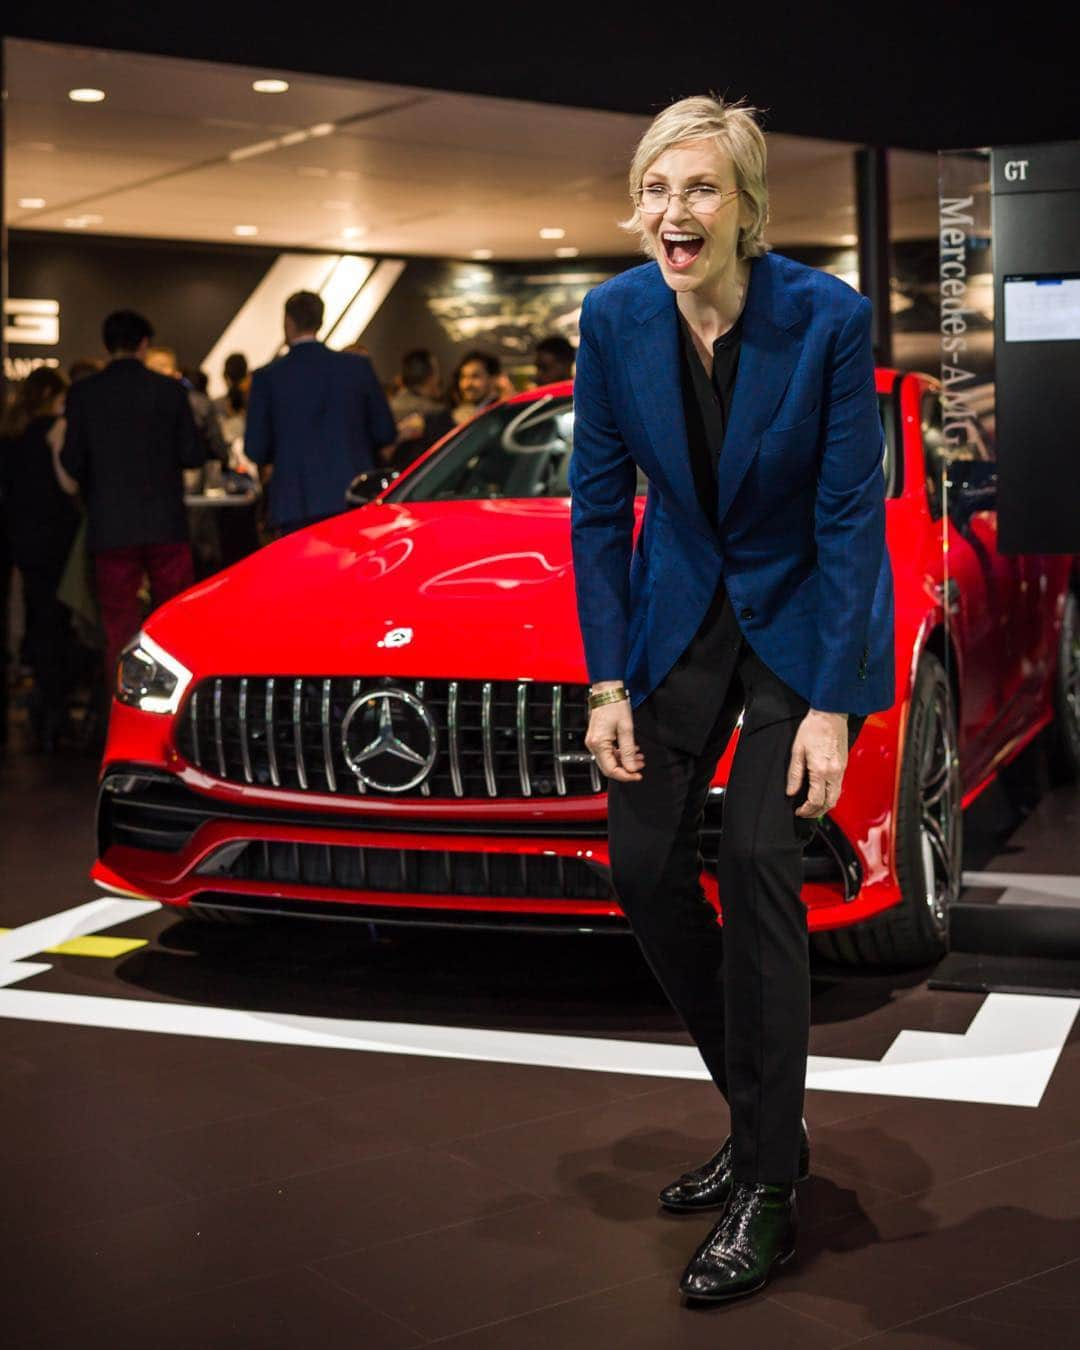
614,692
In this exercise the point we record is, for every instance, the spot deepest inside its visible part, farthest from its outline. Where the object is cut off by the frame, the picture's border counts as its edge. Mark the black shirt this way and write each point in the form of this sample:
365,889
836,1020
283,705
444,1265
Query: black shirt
707,406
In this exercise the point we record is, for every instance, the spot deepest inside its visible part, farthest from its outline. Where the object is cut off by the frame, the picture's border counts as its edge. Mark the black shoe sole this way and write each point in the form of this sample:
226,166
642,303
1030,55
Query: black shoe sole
739,1293
691,1208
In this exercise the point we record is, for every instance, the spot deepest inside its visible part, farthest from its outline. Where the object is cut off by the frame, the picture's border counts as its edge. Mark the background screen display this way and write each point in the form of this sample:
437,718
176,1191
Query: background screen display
1042,309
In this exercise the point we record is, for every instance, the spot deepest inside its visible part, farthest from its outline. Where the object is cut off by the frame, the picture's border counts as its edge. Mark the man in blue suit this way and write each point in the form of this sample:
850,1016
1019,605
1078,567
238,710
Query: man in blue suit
317,417
742,385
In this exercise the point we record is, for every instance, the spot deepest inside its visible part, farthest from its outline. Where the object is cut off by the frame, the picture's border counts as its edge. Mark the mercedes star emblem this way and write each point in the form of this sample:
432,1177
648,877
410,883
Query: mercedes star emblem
397,637
389,740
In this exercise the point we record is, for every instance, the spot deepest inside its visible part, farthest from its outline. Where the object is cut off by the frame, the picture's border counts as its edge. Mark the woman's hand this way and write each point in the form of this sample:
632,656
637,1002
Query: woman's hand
55,436
610,739
819,753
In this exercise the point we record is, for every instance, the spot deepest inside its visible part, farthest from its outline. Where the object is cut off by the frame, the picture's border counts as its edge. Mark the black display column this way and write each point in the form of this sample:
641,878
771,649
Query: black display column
872,217
1036,222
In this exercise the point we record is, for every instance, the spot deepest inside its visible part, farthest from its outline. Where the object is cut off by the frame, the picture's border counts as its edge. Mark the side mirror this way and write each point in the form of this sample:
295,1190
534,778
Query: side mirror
972,488
365,487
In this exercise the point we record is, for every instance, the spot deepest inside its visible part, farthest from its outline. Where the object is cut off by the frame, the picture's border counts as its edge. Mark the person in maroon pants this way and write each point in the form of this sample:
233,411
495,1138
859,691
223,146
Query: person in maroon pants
130,435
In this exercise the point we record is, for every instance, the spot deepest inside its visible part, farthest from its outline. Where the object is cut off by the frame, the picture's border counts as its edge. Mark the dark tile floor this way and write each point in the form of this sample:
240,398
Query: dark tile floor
184,1190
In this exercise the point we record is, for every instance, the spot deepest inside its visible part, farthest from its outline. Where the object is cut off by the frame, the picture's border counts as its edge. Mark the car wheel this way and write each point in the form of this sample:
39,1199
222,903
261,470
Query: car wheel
1063,745
929,828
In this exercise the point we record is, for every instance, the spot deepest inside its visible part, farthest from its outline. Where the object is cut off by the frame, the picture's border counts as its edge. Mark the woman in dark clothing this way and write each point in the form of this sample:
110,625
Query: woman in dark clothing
231,407
41,521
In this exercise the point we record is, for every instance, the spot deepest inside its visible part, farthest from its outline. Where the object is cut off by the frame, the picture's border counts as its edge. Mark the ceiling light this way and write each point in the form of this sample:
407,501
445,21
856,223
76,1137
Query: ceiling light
482,254
321,129
81,222
552,232
567,252
271,86
86,95
245,231
353,231
849,239
31,203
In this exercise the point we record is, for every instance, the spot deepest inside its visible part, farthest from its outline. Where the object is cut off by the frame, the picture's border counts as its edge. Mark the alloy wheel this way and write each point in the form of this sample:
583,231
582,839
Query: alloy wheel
939,811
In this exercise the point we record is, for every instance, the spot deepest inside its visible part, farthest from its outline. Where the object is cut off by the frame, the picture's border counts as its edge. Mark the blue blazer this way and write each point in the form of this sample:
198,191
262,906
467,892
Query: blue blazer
800,492
318,416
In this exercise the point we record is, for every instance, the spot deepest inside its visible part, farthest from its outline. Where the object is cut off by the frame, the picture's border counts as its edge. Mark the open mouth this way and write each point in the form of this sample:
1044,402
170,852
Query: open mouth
681,249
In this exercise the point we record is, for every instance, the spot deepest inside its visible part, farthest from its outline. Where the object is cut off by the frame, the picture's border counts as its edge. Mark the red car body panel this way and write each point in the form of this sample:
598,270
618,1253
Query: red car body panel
487,588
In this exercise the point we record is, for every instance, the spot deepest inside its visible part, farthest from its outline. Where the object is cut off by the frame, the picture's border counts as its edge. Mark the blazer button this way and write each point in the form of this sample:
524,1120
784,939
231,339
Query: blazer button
746,613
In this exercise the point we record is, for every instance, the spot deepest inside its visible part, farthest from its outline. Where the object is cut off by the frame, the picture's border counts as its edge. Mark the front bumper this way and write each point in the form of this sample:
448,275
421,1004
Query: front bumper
159,837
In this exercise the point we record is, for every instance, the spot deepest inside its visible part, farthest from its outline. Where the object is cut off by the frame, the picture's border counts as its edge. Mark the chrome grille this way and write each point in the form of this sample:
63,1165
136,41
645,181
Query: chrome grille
495,738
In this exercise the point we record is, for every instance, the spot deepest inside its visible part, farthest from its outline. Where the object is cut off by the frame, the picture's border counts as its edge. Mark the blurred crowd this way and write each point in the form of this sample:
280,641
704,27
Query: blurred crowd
111,476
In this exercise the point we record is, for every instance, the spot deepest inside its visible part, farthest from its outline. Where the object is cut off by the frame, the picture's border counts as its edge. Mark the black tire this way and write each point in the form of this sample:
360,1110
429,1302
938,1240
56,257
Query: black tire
929,828
1063,739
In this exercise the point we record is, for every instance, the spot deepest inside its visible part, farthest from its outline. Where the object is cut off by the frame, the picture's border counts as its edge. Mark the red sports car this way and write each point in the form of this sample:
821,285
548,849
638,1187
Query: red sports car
381,717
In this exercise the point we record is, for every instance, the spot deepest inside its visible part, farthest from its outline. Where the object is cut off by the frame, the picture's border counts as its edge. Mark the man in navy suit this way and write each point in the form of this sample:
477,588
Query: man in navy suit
759,592
317,418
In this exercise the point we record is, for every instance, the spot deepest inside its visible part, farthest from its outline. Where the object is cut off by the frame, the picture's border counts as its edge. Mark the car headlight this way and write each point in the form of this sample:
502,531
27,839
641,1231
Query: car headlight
148,678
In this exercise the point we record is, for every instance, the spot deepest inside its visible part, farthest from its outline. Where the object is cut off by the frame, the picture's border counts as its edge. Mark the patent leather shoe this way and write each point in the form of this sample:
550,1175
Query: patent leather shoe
755,1235
708,1186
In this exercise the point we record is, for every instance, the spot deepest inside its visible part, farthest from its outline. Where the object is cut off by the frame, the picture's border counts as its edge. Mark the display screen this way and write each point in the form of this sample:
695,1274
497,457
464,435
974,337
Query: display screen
1042,309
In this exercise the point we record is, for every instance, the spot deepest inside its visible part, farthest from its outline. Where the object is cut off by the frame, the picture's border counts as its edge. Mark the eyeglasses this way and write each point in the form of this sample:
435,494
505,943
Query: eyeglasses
701,200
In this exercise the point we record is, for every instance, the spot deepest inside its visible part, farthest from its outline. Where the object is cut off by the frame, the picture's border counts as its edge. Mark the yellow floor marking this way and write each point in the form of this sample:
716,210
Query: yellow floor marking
107,947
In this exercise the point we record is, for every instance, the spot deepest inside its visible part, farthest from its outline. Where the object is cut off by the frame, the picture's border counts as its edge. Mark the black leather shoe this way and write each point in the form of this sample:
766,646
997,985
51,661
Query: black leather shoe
708,1186
755,1234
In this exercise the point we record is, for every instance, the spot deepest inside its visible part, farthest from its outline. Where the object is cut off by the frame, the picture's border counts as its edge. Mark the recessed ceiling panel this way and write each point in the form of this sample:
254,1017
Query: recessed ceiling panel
187,150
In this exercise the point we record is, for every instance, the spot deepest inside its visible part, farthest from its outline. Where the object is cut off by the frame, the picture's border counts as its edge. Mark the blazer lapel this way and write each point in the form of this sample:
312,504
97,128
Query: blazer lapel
652,356
770,349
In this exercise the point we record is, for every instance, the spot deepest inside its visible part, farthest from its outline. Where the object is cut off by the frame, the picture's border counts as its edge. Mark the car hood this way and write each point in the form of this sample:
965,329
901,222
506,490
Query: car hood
468,589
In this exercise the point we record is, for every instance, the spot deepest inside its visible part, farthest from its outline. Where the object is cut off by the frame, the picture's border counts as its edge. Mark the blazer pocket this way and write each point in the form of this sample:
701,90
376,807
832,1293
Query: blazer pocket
802,432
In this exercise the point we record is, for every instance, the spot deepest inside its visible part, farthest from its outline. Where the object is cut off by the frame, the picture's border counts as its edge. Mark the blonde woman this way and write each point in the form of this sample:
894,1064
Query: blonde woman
742,384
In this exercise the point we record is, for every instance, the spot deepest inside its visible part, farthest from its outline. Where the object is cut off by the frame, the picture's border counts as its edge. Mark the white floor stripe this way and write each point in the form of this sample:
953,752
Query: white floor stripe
21,970
71,923
1013,895
1048,883
1006,1057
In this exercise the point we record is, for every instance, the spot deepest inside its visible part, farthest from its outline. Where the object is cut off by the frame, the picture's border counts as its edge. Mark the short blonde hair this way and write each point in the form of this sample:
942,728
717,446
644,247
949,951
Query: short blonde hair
735,130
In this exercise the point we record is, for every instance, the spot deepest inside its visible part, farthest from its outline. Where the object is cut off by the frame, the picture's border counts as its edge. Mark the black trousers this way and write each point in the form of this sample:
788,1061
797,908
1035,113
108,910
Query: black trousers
742,990
49,644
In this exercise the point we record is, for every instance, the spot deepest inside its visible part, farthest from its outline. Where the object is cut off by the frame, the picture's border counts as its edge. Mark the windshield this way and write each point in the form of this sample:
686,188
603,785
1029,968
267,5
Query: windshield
523,450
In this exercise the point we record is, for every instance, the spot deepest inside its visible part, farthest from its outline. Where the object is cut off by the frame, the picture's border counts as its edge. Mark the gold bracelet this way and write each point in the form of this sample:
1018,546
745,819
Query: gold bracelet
607,696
